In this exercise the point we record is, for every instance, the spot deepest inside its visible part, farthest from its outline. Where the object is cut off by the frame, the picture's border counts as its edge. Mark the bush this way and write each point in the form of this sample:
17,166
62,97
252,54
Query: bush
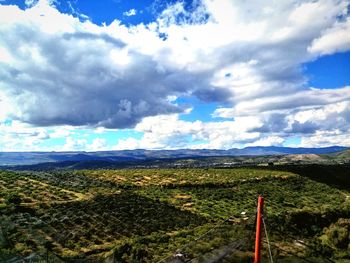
13,198
338,234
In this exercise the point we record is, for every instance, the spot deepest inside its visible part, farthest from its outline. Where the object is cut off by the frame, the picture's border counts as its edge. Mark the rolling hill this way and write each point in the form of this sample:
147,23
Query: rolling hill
32,158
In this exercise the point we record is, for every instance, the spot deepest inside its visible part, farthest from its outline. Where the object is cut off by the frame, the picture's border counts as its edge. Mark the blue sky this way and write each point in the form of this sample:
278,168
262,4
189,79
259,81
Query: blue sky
118,74
331,71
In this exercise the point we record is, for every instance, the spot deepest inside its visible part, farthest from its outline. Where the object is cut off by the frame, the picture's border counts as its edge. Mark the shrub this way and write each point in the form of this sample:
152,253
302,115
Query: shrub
13,198
338,234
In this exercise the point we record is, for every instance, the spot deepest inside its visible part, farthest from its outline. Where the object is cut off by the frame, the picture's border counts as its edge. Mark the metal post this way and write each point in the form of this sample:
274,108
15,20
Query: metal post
258,229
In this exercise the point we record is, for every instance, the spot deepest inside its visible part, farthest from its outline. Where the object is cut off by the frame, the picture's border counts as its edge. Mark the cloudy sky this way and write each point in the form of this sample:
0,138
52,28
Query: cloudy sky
125,74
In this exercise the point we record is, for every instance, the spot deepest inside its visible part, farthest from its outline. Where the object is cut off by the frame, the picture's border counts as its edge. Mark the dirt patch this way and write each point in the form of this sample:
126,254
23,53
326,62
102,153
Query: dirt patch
182,196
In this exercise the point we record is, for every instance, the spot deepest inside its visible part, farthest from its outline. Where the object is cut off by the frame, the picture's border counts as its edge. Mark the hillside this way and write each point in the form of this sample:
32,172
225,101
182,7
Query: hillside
342,155
30,158
147,215
187,162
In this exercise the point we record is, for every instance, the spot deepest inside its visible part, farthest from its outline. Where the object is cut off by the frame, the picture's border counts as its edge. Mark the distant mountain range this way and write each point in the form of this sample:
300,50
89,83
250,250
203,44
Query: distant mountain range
33,158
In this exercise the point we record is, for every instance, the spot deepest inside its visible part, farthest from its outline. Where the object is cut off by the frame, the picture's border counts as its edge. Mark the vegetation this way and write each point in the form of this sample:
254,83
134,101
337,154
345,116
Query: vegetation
148,215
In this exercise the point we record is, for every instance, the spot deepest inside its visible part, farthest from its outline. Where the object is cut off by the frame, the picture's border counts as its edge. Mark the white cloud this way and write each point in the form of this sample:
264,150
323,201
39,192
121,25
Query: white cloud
299,99
5,107
131,12
129,144
30,3
61,132
74,144
322,113
98,144
246,56
323,119
334,39
79,73
268,141
169,132
326,138
17,136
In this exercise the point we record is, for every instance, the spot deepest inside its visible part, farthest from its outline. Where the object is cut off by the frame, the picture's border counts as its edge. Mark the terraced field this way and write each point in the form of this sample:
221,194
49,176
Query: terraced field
148,215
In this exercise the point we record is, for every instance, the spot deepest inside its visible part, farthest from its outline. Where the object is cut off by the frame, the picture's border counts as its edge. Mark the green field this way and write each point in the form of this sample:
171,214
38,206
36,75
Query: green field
148,215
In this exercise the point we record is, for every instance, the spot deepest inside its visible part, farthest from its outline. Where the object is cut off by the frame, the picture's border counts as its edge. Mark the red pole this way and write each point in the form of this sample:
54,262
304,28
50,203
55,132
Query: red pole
258,229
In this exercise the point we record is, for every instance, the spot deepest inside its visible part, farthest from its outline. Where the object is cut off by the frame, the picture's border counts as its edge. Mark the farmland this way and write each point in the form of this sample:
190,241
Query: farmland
146,215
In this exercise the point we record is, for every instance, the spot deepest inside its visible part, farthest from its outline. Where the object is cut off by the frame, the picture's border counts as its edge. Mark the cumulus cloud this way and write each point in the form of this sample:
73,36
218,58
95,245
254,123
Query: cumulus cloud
98,144
17,136
298,100
334,39
74,144
326,138
308,124
326,118
58,70
81,75
169,132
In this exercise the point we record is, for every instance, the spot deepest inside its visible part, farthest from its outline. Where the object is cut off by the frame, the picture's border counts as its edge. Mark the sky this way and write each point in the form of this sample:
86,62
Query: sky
87,75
